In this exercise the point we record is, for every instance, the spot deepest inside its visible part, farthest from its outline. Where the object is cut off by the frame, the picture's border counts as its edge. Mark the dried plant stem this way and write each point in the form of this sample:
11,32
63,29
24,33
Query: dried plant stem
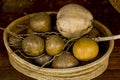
13,34
69,46
114,37
32,57
42,34
70,40
52,59
97,39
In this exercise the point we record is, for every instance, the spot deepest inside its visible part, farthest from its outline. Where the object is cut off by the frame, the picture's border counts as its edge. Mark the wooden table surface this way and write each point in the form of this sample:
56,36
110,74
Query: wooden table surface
102,11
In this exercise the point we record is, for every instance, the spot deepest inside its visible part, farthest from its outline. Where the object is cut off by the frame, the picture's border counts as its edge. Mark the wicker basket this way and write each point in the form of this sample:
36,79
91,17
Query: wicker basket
85,72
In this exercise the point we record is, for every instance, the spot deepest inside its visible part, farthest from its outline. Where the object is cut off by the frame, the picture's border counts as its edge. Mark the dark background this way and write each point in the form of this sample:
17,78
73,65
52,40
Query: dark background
102,11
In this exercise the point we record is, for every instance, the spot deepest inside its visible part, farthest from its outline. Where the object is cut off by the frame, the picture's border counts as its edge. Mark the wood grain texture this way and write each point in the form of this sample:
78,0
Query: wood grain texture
102,11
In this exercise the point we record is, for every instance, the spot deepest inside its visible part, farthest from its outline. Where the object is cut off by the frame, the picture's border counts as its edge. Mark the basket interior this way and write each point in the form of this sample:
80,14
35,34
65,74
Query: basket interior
21,25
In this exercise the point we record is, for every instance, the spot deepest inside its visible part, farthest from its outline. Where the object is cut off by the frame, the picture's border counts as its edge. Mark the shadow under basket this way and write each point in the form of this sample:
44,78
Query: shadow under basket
83,72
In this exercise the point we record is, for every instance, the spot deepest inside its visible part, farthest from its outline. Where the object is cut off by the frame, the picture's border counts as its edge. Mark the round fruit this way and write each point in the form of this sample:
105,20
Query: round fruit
43,59
40,22
66,60
85,49
74,20
54,45
33,45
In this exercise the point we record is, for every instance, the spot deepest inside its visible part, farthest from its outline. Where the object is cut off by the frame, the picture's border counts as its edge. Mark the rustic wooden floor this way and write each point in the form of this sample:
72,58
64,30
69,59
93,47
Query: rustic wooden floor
102,11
